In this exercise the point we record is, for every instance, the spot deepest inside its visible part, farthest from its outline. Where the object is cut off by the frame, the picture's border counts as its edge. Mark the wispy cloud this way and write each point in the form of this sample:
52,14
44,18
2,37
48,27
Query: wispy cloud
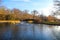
22,0
26,0
44,5
36,3
48,9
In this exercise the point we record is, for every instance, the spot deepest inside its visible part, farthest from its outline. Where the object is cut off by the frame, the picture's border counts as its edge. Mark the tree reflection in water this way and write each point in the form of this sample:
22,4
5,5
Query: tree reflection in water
6,30
27,31
56,32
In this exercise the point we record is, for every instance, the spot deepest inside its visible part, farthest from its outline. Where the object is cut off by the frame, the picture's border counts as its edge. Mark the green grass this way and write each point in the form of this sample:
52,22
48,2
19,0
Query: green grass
51,22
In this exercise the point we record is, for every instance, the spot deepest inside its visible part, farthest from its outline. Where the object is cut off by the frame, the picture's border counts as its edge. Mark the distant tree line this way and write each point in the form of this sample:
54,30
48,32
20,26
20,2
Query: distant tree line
16,14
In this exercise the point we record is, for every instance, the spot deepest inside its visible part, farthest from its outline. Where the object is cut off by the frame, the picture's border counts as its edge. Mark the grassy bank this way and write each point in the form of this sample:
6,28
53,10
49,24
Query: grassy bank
10,21
46,22
52,23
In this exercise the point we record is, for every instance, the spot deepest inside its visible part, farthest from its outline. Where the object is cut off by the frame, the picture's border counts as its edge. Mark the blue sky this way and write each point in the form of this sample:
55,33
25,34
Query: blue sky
39,5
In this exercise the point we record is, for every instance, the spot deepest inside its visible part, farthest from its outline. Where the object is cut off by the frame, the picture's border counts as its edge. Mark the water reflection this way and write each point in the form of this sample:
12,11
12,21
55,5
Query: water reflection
27,31
56,32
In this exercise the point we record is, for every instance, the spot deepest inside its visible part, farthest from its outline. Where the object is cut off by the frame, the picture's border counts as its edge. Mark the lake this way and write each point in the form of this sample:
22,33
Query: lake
26,31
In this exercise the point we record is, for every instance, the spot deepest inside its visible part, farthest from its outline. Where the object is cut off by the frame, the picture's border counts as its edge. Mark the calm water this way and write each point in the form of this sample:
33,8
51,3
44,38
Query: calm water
25,31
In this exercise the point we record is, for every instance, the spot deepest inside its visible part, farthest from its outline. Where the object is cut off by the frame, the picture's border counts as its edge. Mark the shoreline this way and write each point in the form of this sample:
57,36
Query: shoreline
47,23
10,21
18,21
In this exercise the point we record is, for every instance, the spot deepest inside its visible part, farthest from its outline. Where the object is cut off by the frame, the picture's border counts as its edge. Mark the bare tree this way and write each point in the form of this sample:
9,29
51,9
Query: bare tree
25,11
34,12
57,7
